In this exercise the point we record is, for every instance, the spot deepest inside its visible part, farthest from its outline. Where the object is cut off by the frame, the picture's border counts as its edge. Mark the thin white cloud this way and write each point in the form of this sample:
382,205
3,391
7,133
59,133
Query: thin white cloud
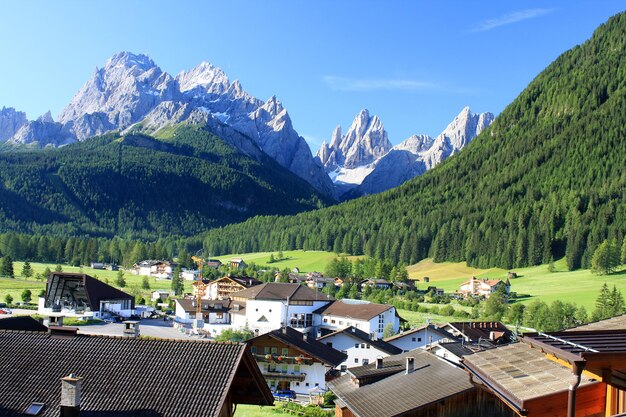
355,84
313,141
509,18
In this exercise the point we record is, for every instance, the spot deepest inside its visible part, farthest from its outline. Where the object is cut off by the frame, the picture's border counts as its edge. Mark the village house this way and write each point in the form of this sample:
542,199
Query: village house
70,374
160,294
412,384
319,283
79,295
214,316
359,346
222,288
289,359
190,274
380,284
157,269
364,315
493,331
272,305
419,337
483,287
292,277
237,263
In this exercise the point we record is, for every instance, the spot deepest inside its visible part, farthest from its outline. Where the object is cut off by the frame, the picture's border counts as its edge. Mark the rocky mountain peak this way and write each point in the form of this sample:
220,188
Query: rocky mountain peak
129,60
46,117
206,76
11,121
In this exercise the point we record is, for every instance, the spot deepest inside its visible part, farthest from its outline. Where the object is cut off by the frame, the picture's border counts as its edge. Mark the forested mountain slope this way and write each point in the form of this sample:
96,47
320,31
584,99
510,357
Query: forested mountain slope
138,186
546,179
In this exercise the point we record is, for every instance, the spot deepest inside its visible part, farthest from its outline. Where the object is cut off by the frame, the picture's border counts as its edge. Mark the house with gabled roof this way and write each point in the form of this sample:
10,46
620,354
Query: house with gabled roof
290,359
76,294
80,375
222,288
272,305
215,315
360,347
419,337
483,287
364,315
412,384
476,331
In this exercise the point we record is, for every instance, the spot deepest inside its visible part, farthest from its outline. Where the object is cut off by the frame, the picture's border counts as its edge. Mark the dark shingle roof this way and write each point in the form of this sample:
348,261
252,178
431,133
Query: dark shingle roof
309,346
398,392
482,330
125,375
22,323
188,305
462,349
364,337
358,311
280,291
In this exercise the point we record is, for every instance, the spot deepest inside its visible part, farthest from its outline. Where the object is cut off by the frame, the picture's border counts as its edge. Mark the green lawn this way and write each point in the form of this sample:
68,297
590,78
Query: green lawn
306,261
581,286
133,282
244,410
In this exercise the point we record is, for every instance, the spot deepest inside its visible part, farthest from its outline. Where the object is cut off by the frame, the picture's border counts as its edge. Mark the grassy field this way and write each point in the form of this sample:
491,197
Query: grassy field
16,285
244,410
581,286
306,261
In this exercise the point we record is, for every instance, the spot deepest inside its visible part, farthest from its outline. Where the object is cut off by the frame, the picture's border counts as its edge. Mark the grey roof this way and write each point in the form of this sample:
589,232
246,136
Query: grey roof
431,328
281,291
308,345
207,305
22,323
520,372
432,380
462,349
126,376
364,337
358,311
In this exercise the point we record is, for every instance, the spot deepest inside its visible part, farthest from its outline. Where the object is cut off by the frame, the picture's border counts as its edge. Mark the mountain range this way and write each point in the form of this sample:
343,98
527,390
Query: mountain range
545,180
130,93
363,161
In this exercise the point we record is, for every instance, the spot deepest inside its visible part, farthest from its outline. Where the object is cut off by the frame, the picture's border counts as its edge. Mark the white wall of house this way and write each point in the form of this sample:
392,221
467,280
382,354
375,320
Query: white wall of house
315,376
359,352
375,325
275,314
418,339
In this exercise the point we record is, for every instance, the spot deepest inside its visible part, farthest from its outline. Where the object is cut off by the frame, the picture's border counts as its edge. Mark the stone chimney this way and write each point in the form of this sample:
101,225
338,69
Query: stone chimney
131,329
71,387
379,363
410,364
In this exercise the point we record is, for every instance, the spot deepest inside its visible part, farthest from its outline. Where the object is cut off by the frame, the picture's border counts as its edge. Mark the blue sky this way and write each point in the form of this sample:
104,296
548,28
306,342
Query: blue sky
415,64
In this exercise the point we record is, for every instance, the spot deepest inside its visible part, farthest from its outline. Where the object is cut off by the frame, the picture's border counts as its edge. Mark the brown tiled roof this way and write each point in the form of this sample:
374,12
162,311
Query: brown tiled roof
309,346
280,291
520,372
22,323
364,337
358,311
482,330
398,392
127,376
431,328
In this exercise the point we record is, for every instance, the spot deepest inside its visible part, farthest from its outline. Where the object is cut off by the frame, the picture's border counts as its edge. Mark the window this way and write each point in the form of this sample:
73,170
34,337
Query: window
368,346
272,383
266,350
297,384
356,345
274,350
317,385
284,351
366,361
343,368
34,409
332,321
253,349
356,360
285,367
325,320
362,345
219,315
296,368
340,322
412,339
307,384
419,339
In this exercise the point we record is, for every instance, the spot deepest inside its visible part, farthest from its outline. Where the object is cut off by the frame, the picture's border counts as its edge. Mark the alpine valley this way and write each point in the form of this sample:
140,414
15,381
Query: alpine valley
139,152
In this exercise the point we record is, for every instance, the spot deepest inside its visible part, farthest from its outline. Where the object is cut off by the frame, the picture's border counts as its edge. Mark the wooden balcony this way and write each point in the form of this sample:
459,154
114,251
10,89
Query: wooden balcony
290,360
284,376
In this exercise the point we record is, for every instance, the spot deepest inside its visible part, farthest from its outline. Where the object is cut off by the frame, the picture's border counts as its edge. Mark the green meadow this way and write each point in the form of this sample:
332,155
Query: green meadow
305,261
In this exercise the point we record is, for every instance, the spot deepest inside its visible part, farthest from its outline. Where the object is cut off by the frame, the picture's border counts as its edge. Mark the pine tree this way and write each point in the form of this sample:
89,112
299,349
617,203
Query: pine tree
27,270
177,281
603,308
119,279
145,284
616,302
6,267
605,258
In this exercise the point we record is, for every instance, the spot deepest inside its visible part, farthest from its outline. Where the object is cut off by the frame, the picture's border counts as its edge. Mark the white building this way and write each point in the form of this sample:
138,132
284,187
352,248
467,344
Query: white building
272,305
289,359
420,337
162,294
157,269
483,287
368,317
359,346
215,316
190,274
